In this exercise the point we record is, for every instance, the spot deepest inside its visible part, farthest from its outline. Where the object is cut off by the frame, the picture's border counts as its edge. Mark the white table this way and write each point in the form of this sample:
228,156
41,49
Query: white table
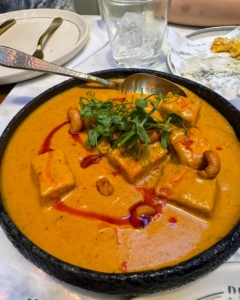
19,279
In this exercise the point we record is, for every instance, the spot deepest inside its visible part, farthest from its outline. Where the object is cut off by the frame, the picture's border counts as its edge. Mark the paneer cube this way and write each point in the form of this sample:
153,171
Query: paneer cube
180,184
157,154
53,174
130,168
190,147
185,107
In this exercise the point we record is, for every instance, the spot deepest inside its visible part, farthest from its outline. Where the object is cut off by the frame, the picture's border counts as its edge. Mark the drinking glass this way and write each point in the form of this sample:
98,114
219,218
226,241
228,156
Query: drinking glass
136,30
99,2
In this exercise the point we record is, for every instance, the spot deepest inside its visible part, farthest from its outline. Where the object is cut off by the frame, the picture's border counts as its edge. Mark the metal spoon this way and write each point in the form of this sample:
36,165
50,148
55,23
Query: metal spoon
53,26
12,58
7,24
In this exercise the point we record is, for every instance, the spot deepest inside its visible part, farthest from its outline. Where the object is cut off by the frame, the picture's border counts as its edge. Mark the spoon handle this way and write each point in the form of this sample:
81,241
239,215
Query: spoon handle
54,25
15,59
7,24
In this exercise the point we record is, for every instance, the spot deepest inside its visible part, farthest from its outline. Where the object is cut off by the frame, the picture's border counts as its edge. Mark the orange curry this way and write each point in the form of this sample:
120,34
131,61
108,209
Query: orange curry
107,209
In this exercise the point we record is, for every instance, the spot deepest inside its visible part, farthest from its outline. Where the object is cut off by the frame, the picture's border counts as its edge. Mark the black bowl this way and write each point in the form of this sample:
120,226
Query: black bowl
135,283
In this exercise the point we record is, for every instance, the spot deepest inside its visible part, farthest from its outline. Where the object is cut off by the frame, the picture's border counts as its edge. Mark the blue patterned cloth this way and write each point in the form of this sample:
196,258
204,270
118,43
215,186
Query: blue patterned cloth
12,5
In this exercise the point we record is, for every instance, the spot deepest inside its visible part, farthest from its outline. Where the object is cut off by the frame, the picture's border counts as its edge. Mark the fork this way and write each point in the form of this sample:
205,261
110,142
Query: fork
53,26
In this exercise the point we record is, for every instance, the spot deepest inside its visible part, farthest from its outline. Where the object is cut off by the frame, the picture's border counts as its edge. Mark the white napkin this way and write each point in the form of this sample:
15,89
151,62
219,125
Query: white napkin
194,60
25,91
98,38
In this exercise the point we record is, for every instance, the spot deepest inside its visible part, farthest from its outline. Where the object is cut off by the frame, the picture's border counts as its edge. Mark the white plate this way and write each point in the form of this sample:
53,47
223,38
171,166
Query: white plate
61,46
201,34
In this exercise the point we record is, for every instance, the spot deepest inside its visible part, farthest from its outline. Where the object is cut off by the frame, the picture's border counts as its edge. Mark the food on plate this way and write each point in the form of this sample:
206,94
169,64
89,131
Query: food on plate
227,45
120,183
186,108
58,179
104,187
190,146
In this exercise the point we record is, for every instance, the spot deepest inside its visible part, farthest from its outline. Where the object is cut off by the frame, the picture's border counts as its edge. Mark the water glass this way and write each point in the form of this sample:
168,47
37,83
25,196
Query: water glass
99,2
136,30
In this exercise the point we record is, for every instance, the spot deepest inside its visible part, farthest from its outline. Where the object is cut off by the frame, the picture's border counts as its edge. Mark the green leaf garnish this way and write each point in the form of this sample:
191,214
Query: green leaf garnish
130,120
105,131
141,130
175,119
124,138
164,139
92,140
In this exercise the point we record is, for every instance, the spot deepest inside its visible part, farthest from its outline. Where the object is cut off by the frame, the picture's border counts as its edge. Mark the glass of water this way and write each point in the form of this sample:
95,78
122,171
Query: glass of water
136,30
99,2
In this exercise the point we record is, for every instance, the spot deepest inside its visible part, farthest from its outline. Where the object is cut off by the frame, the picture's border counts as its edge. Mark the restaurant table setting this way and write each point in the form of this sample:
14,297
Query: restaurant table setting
30,25
20,279
26,90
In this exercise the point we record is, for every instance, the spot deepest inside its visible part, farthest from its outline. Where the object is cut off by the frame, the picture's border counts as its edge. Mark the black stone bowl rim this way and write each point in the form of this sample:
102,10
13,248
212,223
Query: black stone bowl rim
135,283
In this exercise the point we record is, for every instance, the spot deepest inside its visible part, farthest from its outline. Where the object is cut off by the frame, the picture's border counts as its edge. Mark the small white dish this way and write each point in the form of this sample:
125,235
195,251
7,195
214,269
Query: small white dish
201,34
61,46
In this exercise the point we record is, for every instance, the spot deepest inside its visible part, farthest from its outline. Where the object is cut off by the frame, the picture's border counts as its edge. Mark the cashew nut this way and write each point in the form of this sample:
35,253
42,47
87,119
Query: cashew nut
104,187
213,165
76,122
145,211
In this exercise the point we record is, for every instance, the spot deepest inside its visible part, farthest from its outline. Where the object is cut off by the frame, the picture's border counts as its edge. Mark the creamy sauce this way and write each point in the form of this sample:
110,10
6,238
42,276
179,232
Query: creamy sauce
93,231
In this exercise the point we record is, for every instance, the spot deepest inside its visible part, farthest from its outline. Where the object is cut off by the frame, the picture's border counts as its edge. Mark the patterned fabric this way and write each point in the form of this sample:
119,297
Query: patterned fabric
11,5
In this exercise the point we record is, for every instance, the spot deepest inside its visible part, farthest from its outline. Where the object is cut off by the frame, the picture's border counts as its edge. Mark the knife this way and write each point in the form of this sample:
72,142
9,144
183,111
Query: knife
7,24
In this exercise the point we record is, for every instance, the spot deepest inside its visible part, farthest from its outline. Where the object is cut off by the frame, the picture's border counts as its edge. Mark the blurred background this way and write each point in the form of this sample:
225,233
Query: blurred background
86,7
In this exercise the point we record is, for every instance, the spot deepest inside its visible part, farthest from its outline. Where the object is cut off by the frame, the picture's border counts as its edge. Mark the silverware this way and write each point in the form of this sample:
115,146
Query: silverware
7,24
53,26
13,58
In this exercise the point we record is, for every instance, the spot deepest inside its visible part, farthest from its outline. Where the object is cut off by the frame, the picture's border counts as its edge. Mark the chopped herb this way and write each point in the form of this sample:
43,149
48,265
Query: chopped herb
129,120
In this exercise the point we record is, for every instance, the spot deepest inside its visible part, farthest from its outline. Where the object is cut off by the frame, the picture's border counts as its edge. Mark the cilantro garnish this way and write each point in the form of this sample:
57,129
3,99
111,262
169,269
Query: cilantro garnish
130,120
